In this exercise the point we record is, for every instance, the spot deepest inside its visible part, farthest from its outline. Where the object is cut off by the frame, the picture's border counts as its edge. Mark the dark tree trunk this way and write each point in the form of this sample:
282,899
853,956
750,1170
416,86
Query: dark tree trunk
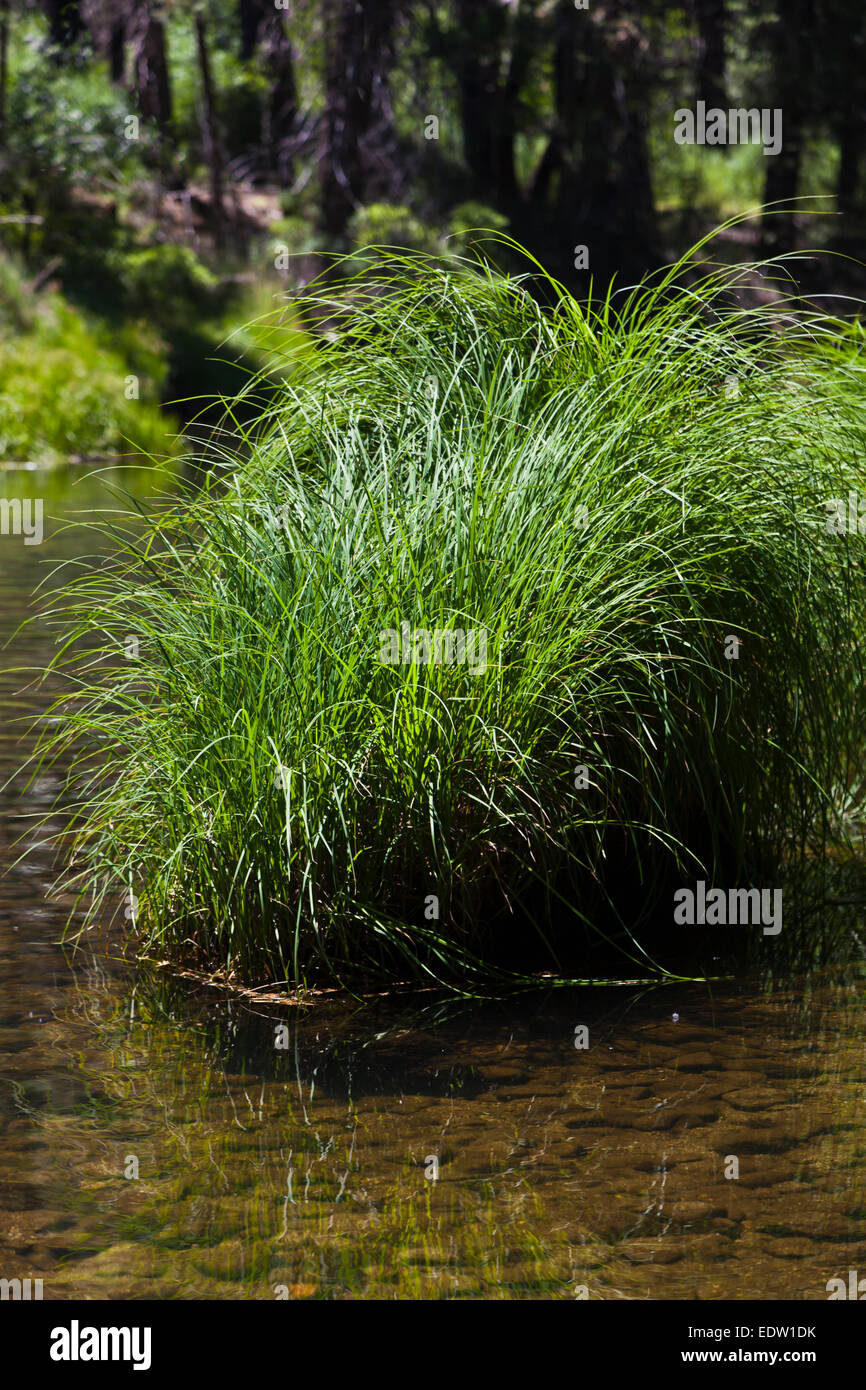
604,198
109,22
712,28
358,61
552,162
852,138
790,92
117,50
65,24
262,29
249,19
210,134
577,150
481,34
518,70
4,67
548,166
846,40
281,104
150,65
636,200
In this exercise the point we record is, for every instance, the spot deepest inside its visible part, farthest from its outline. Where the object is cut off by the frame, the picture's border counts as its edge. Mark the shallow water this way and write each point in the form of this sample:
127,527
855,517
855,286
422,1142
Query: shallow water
155,1141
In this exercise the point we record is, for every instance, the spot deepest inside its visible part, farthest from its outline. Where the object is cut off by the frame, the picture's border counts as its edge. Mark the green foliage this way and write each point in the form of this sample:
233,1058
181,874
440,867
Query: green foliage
584,490
65,127
63,389
384,224
271,339
471,216
240,89
470,225
728,183
166,284
387,225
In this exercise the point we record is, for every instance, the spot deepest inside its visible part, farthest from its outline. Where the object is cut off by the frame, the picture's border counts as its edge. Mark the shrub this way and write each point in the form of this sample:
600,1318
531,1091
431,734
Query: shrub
166,283
387,224
63,390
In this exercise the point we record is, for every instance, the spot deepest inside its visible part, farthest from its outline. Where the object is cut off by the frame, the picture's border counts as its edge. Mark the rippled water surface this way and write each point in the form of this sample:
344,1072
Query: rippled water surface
155,1142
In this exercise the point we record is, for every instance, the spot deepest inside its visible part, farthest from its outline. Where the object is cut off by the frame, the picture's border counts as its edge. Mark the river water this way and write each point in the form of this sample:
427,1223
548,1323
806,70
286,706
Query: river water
156,1141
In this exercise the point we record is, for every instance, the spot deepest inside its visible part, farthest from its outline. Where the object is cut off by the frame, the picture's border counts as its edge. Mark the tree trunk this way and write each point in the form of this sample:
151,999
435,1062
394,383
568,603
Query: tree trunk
790,92
604,198
846,40
117,50
150,66
481,34
65,25
210,135
549,165
505,173
712,27
852,138
4,67
636,201
281,104
358,60
249,19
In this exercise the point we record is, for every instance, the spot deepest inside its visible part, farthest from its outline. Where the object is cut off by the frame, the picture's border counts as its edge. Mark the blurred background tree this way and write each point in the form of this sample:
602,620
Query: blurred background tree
306,125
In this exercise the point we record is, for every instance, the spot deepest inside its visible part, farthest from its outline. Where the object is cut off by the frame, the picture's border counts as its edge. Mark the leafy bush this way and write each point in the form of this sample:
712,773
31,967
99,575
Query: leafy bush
65,127
166,283
385,224
63,391
467,218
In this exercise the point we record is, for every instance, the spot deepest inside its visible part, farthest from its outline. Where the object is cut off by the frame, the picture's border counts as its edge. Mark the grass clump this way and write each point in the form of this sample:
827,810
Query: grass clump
600,501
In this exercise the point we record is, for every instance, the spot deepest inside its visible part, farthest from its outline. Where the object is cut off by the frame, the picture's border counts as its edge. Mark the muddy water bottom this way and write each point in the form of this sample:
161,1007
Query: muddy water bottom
162,1145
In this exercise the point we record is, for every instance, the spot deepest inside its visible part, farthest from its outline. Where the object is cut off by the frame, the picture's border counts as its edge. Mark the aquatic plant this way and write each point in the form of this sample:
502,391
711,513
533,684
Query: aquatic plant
624,506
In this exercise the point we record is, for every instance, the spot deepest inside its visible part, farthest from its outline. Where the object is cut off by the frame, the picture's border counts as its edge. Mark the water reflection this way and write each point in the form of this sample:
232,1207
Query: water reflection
253,1168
